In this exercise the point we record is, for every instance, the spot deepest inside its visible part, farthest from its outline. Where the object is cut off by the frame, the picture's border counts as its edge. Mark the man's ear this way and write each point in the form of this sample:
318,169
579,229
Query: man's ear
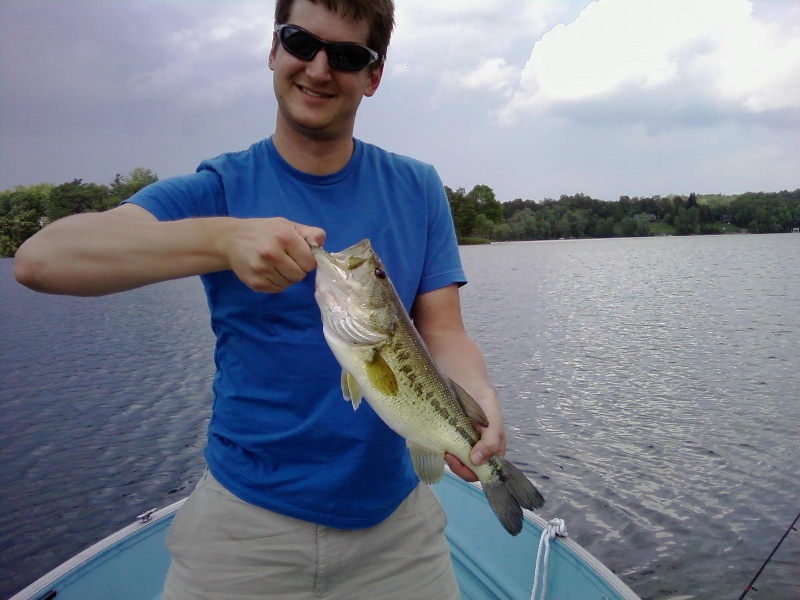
273,52
375,75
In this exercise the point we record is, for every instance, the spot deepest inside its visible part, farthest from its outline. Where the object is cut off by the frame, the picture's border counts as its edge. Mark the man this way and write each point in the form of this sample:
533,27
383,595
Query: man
303,498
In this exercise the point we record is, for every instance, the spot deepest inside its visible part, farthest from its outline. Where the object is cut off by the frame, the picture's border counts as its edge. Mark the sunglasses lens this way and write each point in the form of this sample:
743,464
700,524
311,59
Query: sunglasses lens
303,45
347,57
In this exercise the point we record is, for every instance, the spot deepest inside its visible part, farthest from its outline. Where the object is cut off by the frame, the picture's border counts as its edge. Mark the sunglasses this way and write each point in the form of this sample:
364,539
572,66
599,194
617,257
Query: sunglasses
342,56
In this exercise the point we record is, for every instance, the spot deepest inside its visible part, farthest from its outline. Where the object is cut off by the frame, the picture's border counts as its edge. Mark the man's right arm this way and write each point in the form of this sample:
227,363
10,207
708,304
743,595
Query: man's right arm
124,248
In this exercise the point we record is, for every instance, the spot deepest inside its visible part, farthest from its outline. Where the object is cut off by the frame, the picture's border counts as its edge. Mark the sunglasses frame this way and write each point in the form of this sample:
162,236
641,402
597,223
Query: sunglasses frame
324,44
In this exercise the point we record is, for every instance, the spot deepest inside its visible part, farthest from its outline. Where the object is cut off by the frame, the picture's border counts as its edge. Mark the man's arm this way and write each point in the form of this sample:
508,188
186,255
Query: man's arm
437,317
124,248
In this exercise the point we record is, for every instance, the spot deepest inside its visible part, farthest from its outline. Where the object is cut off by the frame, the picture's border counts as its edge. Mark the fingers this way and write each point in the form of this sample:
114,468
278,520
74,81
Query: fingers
457,467
268,255
492,442
299,252
312,235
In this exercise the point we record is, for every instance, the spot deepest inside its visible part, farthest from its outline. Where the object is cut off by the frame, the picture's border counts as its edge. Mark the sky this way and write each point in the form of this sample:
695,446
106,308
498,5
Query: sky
534,98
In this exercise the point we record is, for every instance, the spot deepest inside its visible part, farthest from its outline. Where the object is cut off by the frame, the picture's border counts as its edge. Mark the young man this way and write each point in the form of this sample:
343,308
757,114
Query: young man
303,498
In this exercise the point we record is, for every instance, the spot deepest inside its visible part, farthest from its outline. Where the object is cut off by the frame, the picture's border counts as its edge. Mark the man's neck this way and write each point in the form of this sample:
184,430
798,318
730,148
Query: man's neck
315,157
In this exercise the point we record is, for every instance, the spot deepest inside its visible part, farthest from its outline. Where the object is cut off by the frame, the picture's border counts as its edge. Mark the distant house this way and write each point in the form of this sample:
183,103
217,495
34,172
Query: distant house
44,221
795,229
646,217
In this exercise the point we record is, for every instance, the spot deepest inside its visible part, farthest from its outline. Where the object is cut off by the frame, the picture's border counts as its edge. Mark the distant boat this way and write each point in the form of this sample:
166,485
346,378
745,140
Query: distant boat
132,563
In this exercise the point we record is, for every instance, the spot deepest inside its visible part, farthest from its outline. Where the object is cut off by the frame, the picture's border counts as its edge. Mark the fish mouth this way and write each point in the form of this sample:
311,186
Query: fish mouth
343,260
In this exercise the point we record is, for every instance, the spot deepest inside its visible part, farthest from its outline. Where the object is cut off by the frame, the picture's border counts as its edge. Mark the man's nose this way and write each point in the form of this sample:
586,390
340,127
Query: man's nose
318,67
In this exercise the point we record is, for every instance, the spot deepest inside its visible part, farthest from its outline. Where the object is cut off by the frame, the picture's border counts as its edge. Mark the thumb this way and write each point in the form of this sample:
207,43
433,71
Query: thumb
491,443
314,236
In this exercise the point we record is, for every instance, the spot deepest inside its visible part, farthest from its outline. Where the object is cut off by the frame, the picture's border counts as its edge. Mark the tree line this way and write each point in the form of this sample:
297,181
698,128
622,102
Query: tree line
478,216
25,210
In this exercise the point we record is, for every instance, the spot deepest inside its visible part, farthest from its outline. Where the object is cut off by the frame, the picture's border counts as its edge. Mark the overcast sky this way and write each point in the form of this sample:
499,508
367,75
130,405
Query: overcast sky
534,98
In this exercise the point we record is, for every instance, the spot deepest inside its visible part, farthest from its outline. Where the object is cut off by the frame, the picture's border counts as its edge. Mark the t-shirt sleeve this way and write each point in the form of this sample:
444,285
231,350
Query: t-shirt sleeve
198,195
442,260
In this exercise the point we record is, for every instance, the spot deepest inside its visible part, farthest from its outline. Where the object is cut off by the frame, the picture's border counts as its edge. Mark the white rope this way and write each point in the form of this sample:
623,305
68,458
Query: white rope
554,527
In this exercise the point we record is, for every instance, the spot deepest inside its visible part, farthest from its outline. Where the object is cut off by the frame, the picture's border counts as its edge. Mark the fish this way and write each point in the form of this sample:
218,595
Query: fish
385,361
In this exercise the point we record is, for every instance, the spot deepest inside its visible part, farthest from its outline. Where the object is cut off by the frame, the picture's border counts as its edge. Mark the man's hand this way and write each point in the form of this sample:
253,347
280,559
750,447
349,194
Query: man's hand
492,442
268,255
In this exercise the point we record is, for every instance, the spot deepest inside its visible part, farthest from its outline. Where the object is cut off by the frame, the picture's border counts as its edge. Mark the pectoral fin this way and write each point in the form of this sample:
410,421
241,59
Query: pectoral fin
428,465
471,408
381,375
351,390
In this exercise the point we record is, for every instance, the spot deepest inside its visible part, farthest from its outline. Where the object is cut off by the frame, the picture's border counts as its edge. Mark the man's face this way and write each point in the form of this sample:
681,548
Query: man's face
314,100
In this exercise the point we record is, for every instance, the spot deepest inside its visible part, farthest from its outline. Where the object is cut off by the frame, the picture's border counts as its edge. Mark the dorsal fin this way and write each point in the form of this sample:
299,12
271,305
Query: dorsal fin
471,408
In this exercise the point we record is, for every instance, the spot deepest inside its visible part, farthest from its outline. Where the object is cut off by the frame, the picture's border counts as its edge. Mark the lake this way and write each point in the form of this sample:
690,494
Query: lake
649,387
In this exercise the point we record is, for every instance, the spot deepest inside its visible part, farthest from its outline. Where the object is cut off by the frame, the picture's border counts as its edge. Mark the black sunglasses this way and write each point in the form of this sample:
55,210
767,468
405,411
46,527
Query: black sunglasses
343,56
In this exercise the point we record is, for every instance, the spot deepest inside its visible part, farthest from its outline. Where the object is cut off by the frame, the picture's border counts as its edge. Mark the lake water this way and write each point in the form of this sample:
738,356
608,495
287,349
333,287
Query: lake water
650,388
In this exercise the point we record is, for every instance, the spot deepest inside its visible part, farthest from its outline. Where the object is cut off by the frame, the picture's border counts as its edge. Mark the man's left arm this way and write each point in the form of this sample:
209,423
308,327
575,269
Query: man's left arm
437,317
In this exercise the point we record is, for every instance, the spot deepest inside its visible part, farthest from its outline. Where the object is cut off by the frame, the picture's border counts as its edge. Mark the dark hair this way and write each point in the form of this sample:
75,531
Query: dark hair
378,13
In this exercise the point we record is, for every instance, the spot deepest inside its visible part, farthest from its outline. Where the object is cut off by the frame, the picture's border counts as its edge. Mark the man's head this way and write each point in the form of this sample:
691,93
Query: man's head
379,14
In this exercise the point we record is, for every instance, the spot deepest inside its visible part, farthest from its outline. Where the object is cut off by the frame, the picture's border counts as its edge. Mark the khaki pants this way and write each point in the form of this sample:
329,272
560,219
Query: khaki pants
226,549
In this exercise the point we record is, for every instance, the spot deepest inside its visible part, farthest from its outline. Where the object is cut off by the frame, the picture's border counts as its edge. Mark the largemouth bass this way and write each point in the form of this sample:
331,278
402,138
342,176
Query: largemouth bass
385,361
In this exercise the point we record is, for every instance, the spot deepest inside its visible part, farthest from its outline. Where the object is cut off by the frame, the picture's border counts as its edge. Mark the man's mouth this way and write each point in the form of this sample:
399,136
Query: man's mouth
312,93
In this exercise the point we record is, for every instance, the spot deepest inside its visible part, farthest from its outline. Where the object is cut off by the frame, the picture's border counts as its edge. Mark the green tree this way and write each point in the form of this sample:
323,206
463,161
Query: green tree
76,197
605,228
486,203
463,210
484,227
15,229
123,187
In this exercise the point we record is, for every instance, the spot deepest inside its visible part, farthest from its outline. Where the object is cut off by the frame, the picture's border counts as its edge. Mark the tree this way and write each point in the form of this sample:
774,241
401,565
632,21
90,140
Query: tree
604,228
123,187
76,197
463,210
483,227
15,229
486,203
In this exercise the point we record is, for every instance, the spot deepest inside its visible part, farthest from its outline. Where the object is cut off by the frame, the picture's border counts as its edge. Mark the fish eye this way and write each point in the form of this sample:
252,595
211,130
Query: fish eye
380,273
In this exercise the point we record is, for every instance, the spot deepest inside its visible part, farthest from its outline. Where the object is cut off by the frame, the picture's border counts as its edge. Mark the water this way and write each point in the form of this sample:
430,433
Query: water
649,387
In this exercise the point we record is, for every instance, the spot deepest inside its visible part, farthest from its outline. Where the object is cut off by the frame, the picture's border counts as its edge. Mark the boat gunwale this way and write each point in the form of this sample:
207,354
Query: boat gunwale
46,581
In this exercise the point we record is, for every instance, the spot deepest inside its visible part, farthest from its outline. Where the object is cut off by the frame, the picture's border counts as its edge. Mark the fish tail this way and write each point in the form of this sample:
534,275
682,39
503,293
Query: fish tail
508,493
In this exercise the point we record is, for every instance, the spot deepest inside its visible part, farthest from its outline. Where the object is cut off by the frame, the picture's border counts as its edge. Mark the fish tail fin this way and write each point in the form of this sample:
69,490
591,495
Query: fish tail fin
509,493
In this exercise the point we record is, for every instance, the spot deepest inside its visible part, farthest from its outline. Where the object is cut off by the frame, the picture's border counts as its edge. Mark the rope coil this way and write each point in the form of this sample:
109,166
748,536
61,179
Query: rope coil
555,527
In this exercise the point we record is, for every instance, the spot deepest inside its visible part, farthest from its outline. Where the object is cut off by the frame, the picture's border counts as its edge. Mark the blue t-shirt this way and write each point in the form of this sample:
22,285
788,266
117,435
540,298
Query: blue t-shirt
281,436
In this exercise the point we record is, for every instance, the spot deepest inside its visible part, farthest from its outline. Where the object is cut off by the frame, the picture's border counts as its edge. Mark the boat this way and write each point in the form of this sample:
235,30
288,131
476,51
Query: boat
489,564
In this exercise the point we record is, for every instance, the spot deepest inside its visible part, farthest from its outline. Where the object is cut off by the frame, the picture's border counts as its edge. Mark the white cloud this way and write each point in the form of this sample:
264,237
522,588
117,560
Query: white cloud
492,74
443,41
700,50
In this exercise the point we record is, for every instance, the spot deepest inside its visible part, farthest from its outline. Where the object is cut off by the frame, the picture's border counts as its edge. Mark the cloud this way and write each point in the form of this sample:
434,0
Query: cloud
493,74
213,61
668,58
609,97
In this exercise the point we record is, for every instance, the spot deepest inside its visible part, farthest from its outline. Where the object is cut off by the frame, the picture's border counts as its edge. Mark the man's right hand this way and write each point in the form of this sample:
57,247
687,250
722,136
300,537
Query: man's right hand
268,255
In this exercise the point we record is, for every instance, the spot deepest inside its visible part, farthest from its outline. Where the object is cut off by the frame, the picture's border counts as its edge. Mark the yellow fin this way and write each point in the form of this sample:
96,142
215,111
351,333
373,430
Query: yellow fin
381,375
471,408
428,465
351,390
